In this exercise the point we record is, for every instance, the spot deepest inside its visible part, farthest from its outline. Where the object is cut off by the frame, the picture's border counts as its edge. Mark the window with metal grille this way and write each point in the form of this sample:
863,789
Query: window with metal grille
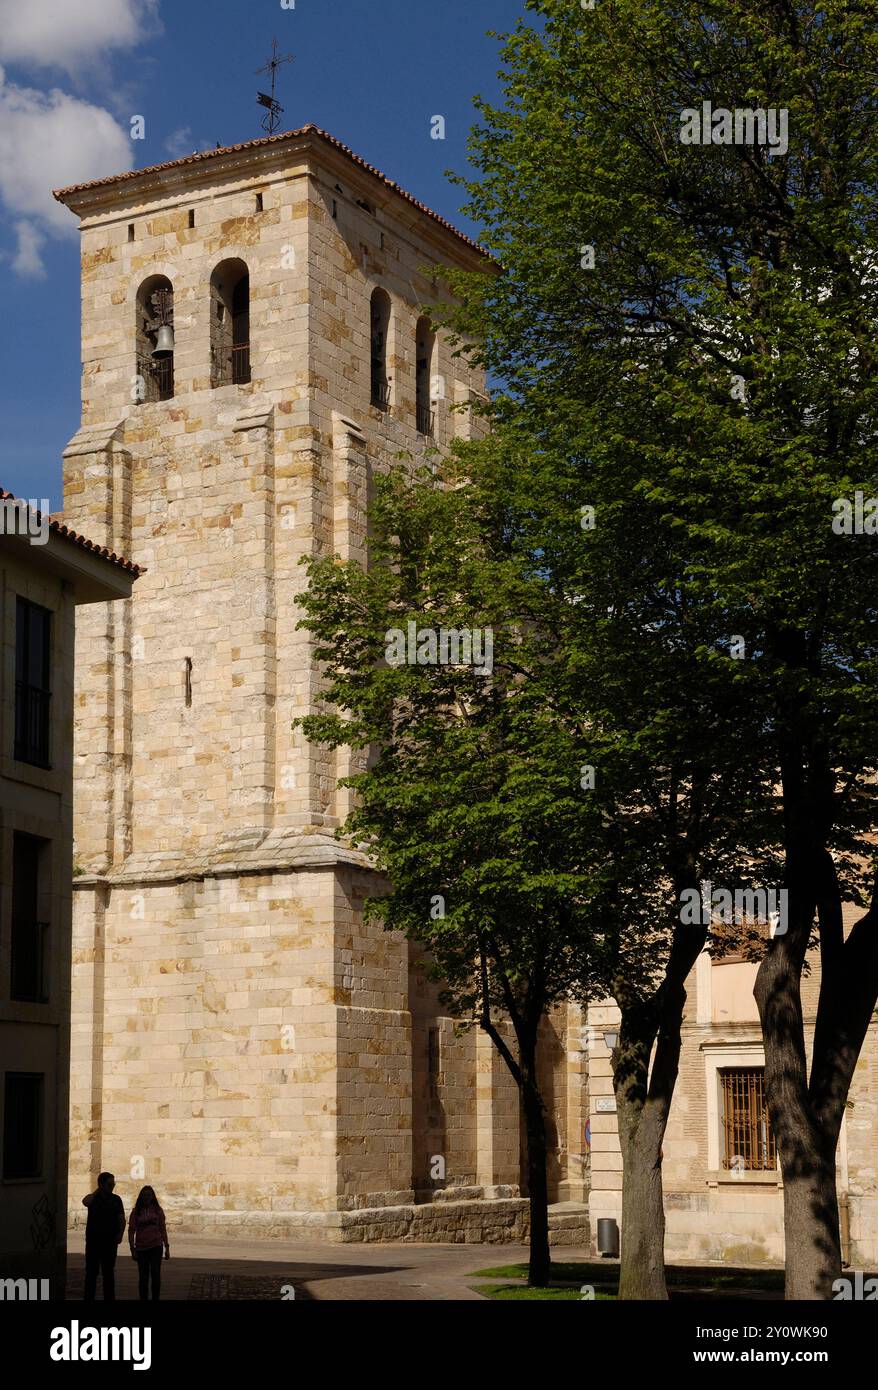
30,937
154,339
230,324
23,1125
33,640
748,1141
425,362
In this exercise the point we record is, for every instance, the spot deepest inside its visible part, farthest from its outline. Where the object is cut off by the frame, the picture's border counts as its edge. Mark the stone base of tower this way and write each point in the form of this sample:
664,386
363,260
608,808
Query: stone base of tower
247,1043
471,1221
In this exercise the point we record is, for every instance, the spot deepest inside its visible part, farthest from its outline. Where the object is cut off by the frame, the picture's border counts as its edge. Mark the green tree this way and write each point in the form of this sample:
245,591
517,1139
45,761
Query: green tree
684,787
557,810
693,326
471,804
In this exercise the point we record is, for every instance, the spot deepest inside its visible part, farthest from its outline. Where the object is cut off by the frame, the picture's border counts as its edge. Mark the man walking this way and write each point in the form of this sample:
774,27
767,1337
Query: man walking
104,1230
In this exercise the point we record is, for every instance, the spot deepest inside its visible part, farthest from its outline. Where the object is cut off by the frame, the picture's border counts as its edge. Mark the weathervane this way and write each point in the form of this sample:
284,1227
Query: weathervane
274,111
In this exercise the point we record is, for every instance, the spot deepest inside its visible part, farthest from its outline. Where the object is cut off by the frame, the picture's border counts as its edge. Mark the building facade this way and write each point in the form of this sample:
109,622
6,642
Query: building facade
256,346
46,573
721,1177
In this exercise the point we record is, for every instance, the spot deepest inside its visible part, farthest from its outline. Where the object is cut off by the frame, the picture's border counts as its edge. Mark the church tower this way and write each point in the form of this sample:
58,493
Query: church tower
254,348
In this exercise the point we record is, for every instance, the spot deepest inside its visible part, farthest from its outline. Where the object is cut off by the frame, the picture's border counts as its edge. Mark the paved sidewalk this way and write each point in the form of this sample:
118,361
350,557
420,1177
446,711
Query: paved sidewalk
217,1267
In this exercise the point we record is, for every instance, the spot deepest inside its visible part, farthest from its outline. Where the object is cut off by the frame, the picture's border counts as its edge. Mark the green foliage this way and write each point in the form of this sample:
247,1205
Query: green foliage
473,791
712,263
710,646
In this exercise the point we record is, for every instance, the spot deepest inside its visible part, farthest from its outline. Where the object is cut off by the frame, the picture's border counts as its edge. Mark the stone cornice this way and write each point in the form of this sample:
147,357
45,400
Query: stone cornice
281,853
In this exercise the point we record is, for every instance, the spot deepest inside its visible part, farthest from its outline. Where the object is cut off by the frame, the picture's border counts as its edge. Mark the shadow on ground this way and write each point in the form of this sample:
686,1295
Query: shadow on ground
208,1279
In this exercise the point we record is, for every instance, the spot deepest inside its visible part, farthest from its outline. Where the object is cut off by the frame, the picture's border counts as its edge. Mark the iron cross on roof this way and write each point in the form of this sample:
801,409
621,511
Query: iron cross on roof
274,110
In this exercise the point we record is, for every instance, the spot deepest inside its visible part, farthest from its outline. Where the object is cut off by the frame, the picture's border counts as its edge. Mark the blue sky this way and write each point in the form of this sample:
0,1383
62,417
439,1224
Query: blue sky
75,72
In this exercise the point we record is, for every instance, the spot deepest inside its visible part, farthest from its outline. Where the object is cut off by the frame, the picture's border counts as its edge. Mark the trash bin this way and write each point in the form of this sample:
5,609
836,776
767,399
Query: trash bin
608,1236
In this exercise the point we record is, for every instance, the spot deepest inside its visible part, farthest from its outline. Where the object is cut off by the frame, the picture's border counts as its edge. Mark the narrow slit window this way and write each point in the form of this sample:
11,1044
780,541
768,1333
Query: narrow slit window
191,217
380,313
434,1061
187,682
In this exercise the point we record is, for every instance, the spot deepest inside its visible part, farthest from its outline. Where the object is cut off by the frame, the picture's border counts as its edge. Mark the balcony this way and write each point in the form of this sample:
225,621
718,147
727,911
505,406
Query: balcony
32,709
240,364
380,391
157,374
426,420
30,960
232,368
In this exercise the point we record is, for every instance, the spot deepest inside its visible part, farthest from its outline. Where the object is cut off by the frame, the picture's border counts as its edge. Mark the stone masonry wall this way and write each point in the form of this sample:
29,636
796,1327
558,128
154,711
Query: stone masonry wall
241,1039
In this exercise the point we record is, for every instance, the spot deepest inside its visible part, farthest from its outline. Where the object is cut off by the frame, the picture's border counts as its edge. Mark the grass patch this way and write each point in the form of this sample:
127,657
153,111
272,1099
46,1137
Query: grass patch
605,1279
514,1293
504,1272
563,1272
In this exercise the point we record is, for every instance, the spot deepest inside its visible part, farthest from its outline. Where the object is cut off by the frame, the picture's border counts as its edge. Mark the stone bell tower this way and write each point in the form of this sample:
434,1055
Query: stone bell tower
254,347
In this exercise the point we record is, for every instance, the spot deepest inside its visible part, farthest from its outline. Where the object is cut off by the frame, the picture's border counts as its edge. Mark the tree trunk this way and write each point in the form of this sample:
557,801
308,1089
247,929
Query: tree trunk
538,1188
642,1269
811,1227
641,1124
806,1147
805,1114
524,1073
643,1103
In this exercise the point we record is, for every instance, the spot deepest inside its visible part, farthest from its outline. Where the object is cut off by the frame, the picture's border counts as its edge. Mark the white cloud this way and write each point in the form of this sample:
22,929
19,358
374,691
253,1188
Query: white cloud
48,139
27,260
180,142
71,34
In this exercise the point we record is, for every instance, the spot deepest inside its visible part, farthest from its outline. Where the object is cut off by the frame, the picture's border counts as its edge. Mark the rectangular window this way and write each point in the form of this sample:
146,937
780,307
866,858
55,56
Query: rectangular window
748,1143
33,637
30,937
23,1125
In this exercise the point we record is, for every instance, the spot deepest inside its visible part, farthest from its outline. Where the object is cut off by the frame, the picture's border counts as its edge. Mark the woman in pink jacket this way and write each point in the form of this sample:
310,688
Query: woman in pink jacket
147,1233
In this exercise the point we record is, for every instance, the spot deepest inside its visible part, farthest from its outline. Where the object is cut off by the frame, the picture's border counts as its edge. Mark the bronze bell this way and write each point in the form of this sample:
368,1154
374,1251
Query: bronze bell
164,342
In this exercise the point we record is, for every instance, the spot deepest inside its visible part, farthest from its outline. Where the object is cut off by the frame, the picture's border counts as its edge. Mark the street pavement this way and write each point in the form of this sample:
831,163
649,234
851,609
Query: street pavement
221,1267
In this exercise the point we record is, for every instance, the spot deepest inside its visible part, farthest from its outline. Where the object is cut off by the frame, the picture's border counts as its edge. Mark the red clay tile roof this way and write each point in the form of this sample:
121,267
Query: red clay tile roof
59,529
62,193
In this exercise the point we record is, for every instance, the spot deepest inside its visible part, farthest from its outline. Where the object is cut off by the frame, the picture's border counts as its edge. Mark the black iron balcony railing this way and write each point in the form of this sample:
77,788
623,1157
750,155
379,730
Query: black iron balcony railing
30,962
426,420
380,393
32,706
157,377
240,364
232,368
